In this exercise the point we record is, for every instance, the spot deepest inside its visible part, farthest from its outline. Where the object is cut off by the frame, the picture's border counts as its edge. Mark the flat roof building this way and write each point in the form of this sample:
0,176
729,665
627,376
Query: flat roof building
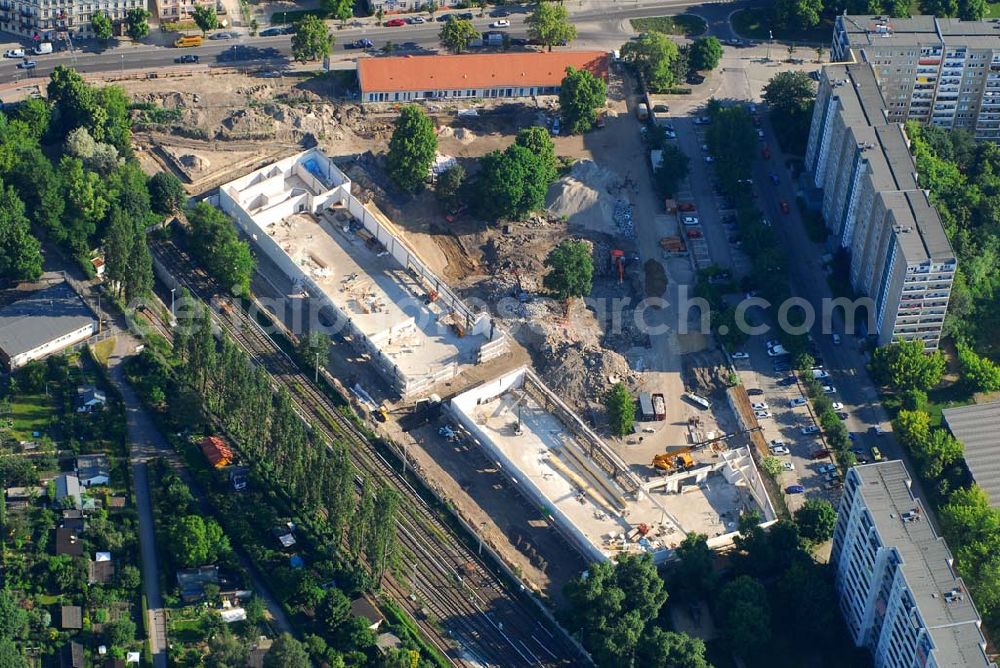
370,286
939,71
978,428
44,322
873,205
475,75
895,580
596,500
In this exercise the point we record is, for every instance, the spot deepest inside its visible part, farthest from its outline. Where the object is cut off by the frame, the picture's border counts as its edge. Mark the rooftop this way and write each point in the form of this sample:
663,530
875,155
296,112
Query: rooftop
41,317
874,30
943,601
71,617
384,302
480,70
976,427
68,542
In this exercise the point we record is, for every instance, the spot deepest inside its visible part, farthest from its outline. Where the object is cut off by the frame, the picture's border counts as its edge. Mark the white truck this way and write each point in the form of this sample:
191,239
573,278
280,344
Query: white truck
43,48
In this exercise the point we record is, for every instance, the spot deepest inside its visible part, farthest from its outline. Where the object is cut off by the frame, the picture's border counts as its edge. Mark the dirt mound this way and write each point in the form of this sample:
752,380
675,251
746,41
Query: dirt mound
705,373
586,196
584,373
464,135
194,162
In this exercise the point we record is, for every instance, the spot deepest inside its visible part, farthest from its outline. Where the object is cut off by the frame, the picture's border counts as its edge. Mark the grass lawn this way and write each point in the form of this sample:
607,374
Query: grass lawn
30,413
102,350
684,24
992,10
755,25
281,18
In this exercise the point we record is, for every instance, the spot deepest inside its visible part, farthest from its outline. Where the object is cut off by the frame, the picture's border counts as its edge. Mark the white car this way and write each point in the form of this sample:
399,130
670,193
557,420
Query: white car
690,220
837,406
820,374
762,414
780,450
704,148
709,158
759,406
811,429
502,23
797,401
829,389
760,134
13,53
772,343
777,351
416,20
741,356
788,466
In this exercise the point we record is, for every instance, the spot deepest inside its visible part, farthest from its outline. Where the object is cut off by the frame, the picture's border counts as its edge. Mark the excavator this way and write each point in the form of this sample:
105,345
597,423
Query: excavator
682,460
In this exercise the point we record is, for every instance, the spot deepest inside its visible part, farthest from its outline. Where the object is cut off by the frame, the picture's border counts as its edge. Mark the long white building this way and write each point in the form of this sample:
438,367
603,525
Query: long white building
895,578
58,19
874,207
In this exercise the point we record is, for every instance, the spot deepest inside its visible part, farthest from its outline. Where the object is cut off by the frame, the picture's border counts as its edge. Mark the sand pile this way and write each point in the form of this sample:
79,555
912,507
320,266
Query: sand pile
463,135
584,373
586,196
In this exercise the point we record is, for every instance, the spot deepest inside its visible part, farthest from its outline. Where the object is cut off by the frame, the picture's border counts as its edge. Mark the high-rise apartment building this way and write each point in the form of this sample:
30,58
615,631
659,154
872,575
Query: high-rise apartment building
943,72
48,20
895,578
900,256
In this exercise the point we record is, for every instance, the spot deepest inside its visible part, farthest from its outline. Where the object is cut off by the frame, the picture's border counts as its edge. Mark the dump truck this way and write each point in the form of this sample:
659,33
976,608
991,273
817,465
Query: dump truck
659,407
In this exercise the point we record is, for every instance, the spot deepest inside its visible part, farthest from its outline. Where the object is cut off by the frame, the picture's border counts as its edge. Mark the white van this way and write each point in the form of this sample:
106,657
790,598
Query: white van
642,111
43,48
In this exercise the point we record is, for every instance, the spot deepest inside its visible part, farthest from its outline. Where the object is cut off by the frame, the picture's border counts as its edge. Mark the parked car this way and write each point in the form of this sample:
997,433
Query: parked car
837,406
788,380
820,374
842,415
13,53
876,454
765,152
499,13
694,78
27,65
755,392
811,429
796,402
788,466
689,220
795,489
759,406
826,468
465,16
741,356
831,476
224,35
780,450
777,351
363,43
833,484
829,389
775,179
836,339
709,159
417,20
272,32
820,454
785,209
395,23
760,134
502,23
762,414
555,127
186,58
703,120
782,367
445,17
686,206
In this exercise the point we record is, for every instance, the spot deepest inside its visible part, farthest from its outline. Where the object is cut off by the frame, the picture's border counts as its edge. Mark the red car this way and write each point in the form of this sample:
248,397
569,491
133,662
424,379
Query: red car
694,234
686,206
820,454
784,207
765,152
394,23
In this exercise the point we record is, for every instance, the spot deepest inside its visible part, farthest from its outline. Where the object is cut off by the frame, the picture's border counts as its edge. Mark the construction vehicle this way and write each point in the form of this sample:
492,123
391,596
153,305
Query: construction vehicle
414,416
680,460
618,262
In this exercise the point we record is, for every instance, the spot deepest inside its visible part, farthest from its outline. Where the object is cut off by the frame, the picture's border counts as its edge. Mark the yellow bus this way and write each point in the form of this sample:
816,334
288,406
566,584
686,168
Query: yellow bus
188,40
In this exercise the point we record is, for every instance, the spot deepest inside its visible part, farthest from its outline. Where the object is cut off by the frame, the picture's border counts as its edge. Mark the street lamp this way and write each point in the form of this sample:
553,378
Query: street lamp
123,64
770,39
482,528
173,315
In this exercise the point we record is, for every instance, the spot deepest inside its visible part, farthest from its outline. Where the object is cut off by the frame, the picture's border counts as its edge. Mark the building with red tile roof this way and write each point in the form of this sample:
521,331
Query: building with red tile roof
477,75
216,451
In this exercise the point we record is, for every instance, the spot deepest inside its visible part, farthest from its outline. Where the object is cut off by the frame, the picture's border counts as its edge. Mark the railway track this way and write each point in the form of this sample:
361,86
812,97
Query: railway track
474,618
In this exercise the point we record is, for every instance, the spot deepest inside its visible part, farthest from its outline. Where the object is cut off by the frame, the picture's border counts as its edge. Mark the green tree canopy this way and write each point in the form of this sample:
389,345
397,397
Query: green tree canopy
120,633
219,249
571,269
816,519
705,53
903,365
195,541
512,183
10,656
205,18
981,374
580,96
449,184
13,618
667,649
456,34
671,171
137,23
693,576
101,24
797,14
652,54
341,10
411,149
166,193
790,97
745,615
549,25
972,10
621,409
940,8
20,251
537,140
287,652
311,40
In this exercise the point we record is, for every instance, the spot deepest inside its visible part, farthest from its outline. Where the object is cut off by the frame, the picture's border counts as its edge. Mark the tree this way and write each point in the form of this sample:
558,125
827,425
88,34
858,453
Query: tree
448,184
311,40
314,346
20,251
745,615
216,245
772,466
226,650
816,519
940,8
790,97
580,97
13,618
10,656
705,53
456,34
166,193
903,365
513,183
571,269
101,23
411,149
338,9
120,633
693,576
205,18
797,14
35,113
981,374
652,54
196,542
621,410
672,169
667,649
549,25
972,10
287,652
537,140
137,23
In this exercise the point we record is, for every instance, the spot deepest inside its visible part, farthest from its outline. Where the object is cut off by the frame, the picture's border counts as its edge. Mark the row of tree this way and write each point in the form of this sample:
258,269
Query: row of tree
797,15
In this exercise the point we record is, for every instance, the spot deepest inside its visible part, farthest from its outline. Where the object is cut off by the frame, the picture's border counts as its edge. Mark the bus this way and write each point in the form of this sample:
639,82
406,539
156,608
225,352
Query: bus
188,40
700,401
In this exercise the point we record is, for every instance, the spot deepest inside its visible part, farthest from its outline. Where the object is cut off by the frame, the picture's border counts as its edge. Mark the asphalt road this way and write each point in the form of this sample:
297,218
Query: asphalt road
275,52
